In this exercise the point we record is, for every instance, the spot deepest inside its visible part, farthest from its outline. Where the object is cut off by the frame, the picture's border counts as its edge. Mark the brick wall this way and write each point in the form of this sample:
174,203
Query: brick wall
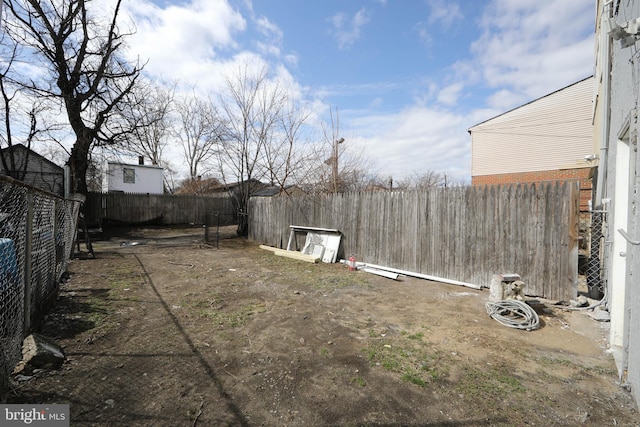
583,175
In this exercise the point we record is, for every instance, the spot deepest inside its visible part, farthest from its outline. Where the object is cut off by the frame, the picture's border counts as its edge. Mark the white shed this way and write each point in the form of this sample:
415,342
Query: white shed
133,178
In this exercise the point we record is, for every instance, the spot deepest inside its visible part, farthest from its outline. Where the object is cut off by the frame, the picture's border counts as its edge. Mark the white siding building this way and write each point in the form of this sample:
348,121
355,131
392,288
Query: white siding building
551,133
133,178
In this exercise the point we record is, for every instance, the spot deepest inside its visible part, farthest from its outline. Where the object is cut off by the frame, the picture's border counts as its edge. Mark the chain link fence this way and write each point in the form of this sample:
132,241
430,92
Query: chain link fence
218,226
37,231
595,281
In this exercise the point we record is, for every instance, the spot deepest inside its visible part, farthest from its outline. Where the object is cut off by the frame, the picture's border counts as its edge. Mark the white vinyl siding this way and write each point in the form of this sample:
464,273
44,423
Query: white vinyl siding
133,178
551,133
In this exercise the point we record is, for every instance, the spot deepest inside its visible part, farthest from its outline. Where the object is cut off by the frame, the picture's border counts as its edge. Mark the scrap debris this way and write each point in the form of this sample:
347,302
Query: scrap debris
291,254
321,244
383,271
179,263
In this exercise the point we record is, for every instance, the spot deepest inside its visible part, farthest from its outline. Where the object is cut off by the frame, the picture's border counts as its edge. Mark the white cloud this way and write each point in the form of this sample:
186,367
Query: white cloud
532,47
525,49
272,37
269,29
424,35
181,41
416,140
445,13
504,100
291,59
346,30
449,95
376,103
268,49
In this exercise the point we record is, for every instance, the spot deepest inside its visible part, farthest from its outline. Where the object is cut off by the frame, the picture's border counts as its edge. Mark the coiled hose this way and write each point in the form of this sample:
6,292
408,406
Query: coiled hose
514,314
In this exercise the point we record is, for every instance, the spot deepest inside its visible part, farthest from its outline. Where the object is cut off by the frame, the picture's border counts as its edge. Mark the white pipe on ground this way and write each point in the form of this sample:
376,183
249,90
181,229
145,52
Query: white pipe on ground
363,265
424,276
387,274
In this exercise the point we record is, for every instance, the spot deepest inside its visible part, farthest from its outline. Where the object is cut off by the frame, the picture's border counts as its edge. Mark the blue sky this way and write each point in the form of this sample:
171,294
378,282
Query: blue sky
370,55
408,77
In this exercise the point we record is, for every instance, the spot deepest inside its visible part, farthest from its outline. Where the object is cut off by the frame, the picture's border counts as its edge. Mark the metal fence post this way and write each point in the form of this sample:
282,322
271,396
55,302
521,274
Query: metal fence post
28,245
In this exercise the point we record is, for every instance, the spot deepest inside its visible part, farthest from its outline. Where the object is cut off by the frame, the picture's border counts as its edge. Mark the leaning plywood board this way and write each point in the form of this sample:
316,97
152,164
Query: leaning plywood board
318,251
321,244
329,256
297,255
332,245
312,241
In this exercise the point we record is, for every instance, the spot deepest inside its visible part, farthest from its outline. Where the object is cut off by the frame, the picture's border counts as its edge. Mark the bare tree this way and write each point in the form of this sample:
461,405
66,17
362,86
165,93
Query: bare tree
283,159
83,69
252,106
13,165
22,127
19,117
338,164
364,179
203,185
199,130
333,138
150,120
422,180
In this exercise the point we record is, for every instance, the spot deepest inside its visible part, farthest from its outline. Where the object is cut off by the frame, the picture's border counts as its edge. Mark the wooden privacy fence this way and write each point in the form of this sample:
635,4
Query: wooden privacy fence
464,233
167,209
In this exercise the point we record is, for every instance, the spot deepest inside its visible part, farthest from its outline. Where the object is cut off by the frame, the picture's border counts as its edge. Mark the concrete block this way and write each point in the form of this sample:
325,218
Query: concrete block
39,351
502,287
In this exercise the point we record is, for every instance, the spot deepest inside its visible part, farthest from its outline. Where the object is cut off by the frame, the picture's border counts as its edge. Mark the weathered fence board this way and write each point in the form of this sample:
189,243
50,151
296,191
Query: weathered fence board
166,209
463,233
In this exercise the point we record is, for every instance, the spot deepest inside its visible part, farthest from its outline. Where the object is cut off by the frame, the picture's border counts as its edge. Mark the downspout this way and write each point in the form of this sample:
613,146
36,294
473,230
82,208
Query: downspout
605,43
601,185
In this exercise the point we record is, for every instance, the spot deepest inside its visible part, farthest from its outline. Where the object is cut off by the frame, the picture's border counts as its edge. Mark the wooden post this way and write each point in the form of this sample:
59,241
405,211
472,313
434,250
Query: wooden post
573,221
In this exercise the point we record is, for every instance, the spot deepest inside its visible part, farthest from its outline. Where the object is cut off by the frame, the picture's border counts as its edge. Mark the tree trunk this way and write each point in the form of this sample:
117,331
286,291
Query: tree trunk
243,226
79,164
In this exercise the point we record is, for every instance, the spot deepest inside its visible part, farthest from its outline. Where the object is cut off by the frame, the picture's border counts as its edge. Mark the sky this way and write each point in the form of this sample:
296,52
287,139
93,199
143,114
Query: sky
407,77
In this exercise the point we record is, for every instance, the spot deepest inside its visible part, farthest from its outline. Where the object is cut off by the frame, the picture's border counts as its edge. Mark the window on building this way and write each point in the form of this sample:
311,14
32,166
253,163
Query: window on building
129,175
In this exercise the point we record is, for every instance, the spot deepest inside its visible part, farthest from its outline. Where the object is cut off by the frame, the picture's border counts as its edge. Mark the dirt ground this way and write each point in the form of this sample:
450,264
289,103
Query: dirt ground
163,330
